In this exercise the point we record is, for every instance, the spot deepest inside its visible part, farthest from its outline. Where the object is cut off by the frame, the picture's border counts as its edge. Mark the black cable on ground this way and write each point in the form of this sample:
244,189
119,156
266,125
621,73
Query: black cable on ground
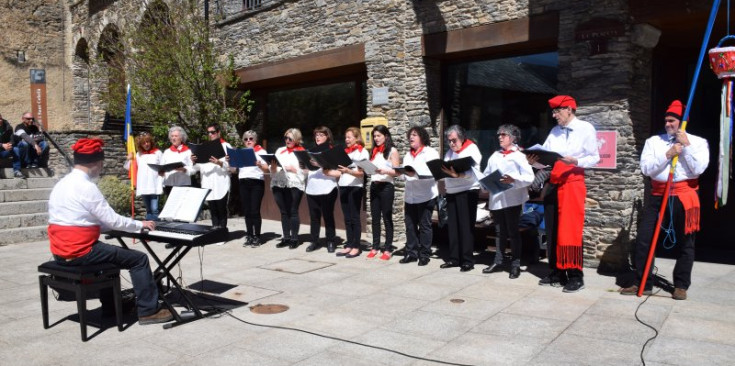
643,349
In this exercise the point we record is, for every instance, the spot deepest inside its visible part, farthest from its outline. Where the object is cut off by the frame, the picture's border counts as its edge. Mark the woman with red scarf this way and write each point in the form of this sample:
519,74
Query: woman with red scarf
178,152
382,191
351,191
321,194
252,189
149,185
462,194
287,184
215,175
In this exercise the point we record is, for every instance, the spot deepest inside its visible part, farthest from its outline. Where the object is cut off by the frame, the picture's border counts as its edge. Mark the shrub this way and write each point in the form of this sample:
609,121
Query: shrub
117,193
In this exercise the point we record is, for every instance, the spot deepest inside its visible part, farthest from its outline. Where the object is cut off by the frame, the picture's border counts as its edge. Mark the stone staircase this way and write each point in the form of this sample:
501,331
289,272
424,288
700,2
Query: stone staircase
24,205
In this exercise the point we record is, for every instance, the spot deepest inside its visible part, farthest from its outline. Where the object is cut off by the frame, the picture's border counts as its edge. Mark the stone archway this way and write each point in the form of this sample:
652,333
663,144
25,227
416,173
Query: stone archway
81,100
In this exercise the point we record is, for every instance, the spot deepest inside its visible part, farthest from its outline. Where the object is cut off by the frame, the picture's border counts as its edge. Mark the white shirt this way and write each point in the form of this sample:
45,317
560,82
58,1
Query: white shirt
215,177
318,183
173,177
76,201
349,180
516,166
253,172
693,159
469,181
284,179
579,143
148,180
420,190
382,163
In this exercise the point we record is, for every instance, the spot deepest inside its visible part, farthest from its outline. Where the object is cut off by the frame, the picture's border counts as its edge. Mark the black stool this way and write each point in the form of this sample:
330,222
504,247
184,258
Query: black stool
82,280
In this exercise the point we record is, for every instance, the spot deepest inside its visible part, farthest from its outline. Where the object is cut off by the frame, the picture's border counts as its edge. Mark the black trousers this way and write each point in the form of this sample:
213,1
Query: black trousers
683,247
218,210
551,219
462,213
322,206
381,205
351,200
251,196
507,220
419,234
288,200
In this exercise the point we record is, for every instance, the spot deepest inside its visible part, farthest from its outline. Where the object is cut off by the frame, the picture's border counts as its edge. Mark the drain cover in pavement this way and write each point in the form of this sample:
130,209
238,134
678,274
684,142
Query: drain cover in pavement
268,308
296,266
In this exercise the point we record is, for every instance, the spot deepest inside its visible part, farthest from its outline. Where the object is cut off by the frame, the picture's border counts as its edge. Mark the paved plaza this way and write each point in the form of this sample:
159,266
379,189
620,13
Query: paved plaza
365,307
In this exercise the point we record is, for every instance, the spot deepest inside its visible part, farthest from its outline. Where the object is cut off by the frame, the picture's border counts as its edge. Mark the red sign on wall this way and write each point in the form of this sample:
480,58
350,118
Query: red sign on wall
607,146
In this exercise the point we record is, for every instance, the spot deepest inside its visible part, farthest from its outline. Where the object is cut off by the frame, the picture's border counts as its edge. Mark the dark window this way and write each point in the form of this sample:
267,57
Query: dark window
251,4
482,95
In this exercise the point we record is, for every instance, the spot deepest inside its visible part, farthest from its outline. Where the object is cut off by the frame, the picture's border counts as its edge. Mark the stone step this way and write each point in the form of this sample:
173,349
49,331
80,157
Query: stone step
24,220
7,173
17,195
25,207
24,235
16,183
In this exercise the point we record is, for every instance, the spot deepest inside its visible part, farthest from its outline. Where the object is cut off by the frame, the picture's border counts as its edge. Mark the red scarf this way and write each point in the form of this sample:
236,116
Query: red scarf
376,150
183,148
465,144
151,151
352,148
416,152
257,148
291,150
571,193
686,191
222,141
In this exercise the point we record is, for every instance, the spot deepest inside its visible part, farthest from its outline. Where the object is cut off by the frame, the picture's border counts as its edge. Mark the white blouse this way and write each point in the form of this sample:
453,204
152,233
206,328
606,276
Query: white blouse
253,172
578,139
469,181
382,163
349,180
148,181
175,155
215,177
420,190
693,159
284,179
516,166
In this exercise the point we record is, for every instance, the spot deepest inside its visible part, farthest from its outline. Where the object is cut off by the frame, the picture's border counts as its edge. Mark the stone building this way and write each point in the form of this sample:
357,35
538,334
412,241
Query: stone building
433,63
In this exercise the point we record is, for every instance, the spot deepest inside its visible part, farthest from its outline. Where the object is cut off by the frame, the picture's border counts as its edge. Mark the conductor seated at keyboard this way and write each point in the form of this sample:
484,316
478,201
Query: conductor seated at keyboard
78,213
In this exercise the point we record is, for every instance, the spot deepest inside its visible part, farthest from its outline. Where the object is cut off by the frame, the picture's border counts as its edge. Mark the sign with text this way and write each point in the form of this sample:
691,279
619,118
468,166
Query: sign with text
607,146
38,97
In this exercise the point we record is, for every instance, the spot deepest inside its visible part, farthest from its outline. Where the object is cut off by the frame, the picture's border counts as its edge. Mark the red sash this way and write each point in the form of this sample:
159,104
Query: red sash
72,241
686,191
571,193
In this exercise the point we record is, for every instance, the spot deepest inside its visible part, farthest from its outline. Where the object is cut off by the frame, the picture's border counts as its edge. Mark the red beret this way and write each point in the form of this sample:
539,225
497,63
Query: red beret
88,150
560,101
676,110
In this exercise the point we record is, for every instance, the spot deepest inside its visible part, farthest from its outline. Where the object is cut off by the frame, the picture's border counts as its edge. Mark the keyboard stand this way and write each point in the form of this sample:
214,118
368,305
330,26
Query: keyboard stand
181,248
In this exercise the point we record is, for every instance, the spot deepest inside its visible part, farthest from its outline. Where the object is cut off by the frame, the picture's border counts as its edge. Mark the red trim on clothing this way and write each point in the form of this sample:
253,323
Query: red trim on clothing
465,144
295,148
72,241
686,191
257,148
414,154
151,151
571,193
376,150
176,150
352,148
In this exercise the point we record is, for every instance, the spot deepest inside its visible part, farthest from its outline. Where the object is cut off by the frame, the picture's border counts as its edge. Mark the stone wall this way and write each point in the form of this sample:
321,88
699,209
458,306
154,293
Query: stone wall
35,28
391,32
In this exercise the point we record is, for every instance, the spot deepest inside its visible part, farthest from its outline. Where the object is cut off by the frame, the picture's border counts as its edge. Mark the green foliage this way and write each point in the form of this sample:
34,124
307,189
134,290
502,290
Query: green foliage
177,76
117,194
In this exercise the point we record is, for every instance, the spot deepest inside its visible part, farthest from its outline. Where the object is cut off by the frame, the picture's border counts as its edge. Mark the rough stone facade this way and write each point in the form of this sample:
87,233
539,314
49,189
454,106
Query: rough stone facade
36,30
392,31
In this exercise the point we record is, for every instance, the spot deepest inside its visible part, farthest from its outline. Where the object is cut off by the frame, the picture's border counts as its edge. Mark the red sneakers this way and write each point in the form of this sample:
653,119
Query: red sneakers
386,255
372,254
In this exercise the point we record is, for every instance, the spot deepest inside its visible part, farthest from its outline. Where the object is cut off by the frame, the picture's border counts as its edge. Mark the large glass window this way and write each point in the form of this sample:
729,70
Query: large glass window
337,106
482,95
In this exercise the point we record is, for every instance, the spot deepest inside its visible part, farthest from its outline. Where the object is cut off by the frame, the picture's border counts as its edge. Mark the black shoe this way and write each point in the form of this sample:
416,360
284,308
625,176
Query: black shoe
312,247
448,265
423,261
284,243
554,279
515,272
331,247
248,241
574,285
466,267
492,268
293,244
255,241
407,259
348,255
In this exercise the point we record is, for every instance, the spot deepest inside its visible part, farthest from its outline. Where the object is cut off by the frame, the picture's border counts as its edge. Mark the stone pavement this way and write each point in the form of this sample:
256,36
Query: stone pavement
444,315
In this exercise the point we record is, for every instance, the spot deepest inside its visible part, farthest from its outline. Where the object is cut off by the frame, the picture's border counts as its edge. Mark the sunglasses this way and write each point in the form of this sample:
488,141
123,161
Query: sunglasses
503,134
287,138
211,132
248,139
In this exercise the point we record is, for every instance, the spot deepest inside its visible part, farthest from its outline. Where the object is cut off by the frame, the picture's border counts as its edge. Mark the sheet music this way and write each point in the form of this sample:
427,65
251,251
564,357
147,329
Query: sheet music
367,166
184,204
